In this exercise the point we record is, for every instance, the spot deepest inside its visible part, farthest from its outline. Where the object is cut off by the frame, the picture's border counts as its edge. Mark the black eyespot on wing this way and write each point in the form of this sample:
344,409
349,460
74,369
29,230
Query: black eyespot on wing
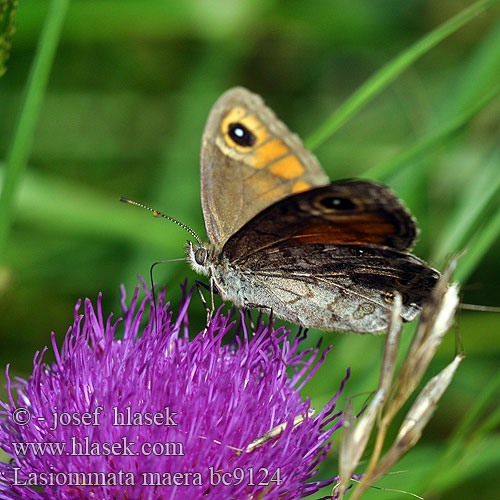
337,203
241,135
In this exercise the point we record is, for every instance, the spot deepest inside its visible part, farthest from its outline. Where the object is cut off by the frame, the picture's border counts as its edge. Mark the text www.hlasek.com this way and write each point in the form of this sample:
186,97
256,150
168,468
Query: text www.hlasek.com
85,447
251,476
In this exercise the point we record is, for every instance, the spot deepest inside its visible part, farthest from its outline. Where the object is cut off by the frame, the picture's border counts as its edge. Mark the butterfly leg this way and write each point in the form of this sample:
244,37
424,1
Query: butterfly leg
209,309
212,304
199,286
261,312
261,309
250,319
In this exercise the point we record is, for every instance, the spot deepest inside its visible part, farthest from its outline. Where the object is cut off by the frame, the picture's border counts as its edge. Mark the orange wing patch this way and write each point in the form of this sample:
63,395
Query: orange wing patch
370,229
267,153
300,186
287,168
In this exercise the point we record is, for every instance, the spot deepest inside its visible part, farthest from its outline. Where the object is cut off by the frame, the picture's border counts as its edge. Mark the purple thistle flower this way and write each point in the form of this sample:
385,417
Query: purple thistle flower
194,407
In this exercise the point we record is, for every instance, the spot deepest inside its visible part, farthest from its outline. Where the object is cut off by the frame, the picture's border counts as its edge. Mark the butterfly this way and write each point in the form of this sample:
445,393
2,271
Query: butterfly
284,239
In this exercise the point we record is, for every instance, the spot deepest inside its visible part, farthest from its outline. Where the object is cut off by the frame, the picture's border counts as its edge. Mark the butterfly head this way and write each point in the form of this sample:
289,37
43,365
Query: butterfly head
198,256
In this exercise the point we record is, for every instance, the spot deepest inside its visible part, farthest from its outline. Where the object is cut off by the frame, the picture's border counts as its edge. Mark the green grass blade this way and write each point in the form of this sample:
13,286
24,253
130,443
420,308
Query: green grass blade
20,147
478,247
489,425
460,443
470,421
476,463
70,208
481,193
431,140
383,77
484,64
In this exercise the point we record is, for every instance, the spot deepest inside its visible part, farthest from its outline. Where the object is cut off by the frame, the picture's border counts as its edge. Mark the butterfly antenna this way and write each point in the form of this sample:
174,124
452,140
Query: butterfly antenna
159,214
151,280
474,307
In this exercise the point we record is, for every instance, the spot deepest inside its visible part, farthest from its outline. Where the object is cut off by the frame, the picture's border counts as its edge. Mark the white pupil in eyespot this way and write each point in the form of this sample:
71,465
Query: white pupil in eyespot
238,132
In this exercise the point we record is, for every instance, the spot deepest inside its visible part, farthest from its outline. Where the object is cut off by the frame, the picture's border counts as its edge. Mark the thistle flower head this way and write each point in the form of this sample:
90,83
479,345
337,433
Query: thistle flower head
151,414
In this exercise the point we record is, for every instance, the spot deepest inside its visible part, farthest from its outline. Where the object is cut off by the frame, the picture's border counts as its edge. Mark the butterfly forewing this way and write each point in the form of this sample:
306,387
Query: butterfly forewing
249,160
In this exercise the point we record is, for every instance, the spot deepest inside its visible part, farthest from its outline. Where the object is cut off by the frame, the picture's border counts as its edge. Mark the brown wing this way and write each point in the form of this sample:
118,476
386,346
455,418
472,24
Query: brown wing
249,160
337,287
350,212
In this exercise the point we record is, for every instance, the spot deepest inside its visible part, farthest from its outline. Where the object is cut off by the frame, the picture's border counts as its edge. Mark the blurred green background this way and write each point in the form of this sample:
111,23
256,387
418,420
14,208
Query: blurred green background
128,93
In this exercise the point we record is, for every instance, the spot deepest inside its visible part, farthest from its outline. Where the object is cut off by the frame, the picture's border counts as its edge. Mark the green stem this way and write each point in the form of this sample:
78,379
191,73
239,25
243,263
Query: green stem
20,147
430,141
385,75
470,425
478,247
